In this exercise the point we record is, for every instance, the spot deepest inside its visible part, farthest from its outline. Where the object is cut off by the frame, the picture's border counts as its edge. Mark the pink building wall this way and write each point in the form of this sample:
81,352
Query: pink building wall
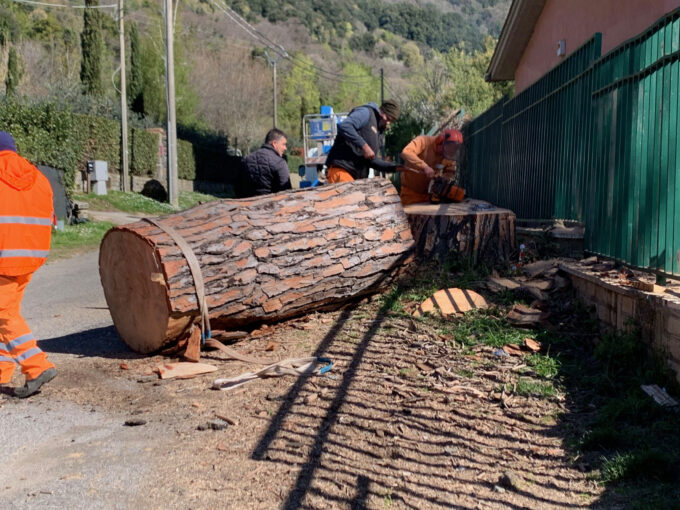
576,21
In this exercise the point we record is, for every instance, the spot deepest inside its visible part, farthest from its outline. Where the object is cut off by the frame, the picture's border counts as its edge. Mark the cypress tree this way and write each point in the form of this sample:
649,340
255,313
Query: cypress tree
92,44
14,72
136,84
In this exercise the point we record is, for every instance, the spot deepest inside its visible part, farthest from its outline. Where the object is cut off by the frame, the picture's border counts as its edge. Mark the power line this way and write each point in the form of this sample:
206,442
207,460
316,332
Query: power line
45,4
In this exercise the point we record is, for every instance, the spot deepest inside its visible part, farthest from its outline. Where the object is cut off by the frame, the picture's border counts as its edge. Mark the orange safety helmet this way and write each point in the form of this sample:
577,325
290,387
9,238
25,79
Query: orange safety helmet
452,135
452,143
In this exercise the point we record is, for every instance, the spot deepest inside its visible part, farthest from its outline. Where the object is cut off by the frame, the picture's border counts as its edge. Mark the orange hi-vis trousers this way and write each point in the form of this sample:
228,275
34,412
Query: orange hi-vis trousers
337,174
18,345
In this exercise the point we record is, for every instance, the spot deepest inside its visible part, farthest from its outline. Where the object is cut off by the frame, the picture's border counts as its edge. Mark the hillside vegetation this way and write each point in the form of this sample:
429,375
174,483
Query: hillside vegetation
433,54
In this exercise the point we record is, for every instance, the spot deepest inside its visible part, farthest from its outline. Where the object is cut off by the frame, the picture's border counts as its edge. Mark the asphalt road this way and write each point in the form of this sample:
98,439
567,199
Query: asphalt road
61,451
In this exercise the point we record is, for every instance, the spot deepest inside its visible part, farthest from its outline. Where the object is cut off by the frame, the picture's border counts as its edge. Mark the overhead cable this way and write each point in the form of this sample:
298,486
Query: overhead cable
45,4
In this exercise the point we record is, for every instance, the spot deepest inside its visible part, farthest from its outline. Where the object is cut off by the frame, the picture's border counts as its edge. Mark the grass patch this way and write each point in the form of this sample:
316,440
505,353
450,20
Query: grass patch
633,441
125,202
652,464
528,387
136,202
76,239
484,327
543,365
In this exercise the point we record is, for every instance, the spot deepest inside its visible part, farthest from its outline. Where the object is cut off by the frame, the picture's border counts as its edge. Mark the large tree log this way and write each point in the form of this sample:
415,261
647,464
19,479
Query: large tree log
263,259
473,228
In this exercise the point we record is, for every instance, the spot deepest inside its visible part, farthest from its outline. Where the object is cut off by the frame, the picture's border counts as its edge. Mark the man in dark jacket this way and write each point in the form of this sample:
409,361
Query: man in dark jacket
265,171
358,141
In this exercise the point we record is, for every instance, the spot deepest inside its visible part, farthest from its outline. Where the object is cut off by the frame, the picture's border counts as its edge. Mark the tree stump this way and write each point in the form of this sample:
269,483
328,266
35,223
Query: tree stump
263,259
473,228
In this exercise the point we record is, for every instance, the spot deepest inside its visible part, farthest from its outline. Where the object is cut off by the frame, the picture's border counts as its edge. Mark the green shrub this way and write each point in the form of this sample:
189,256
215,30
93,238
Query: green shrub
186,163
100,138
144,155
51,134
44,134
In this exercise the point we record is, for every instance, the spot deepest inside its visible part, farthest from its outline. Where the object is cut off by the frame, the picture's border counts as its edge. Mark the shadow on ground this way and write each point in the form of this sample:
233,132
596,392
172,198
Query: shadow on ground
378,435
101,342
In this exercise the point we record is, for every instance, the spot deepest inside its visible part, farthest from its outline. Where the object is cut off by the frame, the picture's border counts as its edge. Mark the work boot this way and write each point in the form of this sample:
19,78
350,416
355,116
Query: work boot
33,385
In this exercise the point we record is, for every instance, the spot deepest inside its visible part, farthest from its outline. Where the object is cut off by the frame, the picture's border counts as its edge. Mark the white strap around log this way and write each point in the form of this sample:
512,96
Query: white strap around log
196,273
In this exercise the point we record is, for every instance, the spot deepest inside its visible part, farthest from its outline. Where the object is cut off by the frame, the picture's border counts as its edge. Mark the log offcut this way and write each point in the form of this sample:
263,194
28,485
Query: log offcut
262,259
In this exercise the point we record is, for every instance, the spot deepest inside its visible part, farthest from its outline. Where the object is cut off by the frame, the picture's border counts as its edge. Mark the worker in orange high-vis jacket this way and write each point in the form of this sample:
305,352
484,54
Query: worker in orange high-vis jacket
26,218
421,156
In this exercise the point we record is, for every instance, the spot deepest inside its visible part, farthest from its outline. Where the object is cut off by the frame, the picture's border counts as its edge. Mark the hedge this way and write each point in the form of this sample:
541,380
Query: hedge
186,163
143,152
44,135
48,135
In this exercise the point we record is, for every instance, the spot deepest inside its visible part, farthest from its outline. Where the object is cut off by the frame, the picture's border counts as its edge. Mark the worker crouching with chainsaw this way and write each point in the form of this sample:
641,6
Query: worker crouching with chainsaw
430,164
26,218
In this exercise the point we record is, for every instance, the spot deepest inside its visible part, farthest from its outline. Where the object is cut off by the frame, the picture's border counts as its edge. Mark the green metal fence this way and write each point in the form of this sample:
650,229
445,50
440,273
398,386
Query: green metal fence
594,140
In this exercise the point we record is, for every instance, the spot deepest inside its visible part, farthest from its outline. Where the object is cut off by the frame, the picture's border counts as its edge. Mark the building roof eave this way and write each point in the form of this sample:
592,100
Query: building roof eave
517,30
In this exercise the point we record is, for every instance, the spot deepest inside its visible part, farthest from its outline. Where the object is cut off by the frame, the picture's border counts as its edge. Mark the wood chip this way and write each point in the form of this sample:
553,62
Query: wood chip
539,267
525,316
535,293
271,346
659,395
183,370
497,284
513,350
423,367
124,366
589,261
532,345
540,284
226,418
647,286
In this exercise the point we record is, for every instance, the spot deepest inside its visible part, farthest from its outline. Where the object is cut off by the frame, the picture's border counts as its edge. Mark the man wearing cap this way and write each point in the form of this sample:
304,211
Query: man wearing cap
421,156
358,140
26,217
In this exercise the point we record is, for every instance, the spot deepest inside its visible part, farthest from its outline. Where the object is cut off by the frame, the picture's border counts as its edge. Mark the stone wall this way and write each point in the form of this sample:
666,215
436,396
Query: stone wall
622,308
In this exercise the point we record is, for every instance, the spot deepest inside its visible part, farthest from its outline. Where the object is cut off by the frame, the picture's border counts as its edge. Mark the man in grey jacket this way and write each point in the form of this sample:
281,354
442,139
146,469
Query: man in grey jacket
358,141
265,171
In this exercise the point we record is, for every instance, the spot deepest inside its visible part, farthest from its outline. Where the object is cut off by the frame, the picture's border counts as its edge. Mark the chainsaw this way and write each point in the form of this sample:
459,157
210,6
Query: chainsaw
440,188
444,189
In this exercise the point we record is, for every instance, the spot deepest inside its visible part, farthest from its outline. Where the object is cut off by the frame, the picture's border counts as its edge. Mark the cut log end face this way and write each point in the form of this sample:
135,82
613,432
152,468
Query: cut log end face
451,301
262,259
136,296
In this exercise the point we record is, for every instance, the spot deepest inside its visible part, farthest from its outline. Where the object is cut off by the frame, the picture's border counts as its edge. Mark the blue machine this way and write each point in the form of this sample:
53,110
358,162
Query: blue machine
320,130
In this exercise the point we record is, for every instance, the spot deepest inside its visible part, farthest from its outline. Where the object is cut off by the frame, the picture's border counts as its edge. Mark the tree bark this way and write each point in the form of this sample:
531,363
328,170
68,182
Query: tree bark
263,259
468,228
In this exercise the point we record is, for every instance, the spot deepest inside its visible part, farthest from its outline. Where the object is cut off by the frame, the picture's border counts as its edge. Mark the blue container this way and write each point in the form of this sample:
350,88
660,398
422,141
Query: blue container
326,110
305,184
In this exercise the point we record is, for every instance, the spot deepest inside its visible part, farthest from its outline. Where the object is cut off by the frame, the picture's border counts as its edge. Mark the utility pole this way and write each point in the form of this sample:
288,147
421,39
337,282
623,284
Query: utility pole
276,113
382,100
272,62
170,100
382,86
123,100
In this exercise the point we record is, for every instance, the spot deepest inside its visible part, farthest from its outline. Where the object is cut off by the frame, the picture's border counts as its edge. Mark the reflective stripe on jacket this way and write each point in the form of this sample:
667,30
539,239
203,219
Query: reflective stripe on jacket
26,213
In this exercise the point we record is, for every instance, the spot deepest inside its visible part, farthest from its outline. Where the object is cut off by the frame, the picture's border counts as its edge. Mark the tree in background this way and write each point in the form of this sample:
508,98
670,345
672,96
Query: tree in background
299,94
92,45
152,99
136,83
235,93
468,89
15,71
357,86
